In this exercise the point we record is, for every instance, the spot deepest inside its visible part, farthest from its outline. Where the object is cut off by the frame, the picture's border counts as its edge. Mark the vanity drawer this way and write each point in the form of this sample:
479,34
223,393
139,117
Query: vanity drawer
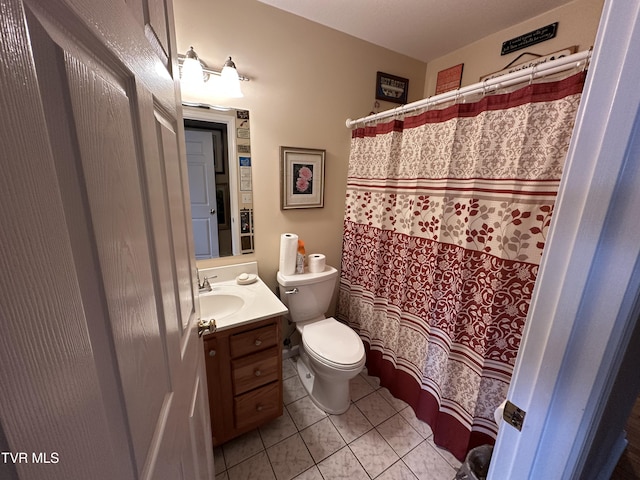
253,340
254,370
258,405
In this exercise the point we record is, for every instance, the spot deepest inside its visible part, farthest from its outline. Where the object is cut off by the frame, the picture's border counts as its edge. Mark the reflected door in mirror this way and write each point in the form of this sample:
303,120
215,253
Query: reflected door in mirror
202,186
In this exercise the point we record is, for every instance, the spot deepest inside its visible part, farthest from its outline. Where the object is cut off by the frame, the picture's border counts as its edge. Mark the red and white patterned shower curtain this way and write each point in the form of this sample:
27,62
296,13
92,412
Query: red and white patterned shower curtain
446,218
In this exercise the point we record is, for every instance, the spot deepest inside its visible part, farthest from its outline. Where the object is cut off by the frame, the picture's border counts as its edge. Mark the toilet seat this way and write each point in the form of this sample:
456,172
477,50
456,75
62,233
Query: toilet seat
334,344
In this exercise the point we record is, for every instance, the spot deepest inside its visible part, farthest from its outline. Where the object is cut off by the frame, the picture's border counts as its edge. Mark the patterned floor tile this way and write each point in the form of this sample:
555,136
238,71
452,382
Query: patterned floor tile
288,368
278,429
359,387
421,427
312,474
399,471
378,437
351,424
399,434
375,408
241,448
446,454
256,468
427,464
289,458
373,453
393,401
292,390
218,460
342,465
322,439
305,413
373,381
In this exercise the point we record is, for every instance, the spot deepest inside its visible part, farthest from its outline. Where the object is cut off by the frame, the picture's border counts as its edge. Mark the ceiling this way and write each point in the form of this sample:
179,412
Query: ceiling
421,29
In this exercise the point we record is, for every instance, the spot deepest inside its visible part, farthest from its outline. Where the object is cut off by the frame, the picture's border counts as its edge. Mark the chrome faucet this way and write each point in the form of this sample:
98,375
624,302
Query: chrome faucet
205,286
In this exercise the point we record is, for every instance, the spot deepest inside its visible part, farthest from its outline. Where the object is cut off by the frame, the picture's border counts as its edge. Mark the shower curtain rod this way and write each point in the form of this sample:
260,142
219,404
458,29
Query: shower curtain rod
537,71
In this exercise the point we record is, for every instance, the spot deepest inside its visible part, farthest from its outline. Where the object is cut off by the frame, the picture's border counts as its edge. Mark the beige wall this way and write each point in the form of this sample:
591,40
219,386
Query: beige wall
306,81
577,25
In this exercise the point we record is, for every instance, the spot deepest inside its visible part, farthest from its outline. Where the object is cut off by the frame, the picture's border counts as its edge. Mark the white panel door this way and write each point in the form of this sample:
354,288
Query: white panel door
202,187
585,304
102,368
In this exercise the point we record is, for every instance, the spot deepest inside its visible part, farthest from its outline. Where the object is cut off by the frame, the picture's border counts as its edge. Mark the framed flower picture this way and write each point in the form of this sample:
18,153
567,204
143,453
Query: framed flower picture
301,178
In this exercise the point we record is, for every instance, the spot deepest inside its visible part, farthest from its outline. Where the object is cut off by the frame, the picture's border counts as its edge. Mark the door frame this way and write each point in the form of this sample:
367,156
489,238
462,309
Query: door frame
211,116
585,301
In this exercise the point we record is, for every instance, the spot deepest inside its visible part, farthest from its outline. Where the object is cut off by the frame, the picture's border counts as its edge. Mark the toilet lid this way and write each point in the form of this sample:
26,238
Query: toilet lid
333,342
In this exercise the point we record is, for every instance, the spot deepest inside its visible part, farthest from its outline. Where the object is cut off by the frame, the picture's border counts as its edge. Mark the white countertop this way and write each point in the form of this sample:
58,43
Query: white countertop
258,301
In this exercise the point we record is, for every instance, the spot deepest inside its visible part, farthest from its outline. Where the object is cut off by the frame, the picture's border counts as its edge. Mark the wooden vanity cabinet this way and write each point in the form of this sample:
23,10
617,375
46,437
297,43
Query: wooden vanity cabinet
244,376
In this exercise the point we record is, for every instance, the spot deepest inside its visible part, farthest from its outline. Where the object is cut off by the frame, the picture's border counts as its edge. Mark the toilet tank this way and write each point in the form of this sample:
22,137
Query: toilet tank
313,292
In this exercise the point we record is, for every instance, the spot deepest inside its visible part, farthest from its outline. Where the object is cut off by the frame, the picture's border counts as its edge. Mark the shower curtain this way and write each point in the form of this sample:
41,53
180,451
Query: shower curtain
446,217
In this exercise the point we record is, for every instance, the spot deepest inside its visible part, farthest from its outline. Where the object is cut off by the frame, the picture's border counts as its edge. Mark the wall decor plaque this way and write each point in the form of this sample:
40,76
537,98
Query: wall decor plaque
531,38
538,60
391,88
449,79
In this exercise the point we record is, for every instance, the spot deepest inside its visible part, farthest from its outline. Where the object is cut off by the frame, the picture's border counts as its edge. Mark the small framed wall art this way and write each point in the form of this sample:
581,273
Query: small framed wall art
301,178
449,79
391,88
222,204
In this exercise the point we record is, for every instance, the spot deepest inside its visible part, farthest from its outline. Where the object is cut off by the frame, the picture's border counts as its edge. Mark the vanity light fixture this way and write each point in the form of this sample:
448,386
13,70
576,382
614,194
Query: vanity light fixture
230,80
195,72
192,69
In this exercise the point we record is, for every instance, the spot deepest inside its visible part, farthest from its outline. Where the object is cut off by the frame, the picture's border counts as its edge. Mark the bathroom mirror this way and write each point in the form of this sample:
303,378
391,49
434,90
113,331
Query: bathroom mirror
218,149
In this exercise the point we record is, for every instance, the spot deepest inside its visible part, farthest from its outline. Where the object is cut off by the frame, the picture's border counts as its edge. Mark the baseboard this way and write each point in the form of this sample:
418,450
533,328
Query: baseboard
290,352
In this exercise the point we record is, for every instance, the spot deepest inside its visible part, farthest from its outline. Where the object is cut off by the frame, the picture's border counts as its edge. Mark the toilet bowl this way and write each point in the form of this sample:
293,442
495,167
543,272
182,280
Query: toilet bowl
331,353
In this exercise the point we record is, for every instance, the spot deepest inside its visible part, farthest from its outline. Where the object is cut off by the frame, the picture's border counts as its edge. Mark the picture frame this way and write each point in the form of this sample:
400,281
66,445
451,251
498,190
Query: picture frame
218,152
301,178
449,79
222,205
246,221
391,88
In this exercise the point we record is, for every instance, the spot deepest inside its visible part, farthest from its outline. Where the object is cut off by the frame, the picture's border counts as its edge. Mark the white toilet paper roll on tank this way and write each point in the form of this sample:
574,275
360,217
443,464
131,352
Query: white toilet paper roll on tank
497,413
288,253
316,263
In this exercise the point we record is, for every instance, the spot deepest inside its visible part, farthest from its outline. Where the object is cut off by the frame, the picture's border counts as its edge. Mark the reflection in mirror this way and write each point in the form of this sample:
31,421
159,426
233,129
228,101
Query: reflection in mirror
220,182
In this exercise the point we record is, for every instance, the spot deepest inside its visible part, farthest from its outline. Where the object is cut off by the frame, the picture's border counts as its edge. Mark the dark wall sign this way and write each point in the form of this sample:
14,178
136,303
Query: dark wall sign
531,38
391,88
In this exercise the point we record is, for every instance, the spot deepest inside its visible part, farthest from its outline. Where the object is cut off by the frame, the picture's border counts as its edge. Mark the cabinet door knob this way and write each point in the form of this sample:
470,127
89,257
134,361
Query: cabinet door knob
212,353
259,408
257,373
258,342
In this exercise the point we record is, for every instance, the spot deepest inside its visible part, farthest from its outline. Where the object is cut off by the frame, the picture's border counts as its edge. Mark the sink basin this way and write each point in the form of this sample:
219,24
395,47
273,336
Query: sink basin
219,305
231,303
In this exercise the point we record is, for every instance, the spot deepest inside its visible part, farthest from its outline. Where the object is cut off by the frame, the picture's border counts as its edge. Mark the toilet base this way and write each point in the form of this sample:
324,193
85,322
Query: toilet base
330,395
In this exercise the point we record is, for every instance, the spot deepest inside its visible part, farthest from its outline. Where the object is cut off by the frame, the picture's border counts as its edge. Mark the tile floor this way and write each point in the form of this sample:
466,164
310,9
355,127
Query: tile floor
378,437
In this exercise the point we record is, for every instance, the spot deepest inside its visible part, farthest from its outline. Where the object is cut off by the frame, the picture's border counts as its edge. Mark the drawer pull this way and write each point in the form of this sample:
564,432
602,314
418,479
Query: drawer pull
257,373
212,353
259,408
258,342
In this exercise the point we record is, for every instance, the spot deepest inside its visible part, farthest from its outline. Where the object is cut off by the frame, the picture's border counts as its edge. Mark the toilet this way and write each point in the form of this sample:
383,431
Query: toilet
331,353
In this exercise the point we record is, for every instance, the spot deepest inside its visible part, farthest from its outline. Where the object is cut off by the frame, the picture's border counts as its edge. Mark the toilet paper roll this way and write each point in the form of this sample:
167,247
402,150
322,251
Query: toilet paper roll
497,414
316,263
288,252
